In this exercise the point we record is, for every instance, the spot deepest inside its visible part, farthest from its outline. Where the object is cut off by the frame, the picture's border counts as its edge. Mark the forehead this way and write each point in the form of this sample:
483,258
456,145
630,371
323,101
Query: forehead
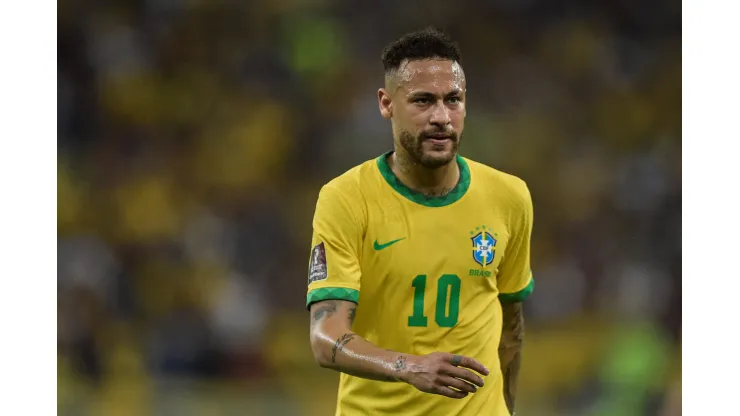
431,75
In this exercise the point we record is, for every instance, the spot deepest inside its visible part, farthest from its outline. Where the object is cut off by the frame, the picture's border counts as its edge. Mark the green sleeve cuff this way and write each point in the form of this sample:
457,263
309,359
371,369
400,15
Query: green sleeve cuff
332,293
518,296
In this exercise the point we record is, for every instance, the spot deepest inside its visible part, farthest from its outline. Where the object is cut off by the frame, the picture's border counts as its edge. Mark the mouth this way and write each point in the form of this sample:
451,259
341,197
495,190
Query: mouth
439,139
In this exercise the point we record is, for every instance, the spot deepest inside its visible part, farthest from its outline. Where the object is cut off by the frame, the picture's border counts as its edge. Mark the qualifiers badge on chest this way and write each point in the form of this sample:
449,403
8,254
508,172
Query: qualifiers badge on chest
317,267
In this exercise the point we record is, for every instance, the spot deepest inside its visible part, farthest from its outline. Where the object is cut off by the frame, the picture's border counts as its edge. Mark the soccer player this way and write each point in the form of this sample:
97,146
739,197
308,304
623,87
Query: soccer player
420,258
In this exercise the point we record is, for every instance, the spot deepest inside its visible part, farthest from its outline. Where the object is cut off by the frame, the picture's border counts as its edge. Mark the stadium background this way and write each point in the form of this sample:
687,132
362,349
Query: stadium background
194,136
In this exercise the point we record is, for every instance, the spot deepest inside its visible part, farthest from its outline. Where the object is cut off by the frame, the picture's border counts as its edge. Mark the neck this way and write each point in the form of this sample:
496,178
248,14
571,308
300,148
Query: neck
429,181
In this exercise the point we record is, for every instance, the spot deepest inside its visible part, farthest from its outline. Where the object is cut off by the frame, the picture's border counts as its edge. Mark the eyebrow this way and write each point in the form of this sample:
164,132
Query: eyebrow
426,94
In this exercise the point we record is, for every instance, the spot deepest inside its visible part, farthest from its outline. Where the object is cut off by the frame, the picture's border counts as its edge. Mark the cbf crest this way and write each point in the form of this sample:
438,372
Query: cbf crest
484,245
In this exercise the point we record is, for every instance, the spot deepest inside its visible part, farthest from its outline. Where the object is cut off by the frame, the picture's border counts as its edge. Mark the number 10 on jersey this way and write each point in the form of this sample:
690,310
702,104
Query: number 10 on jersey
447,306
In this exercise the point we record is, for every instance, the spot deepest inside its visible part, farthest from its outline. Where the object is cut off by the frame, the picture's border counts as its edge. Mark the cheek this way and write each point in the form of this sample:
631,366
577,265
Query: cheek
418,118
458,117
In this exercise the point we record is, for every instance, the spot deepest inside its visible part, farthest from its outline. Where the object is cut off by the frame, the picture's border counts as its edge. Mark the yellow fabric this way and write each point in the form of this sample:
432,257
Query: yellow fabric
361,211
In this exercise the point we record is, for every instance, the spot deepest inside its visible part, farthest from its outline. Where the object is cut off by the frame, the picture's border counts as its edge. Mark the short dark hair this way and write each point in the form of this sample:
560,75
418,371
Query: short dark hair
428,43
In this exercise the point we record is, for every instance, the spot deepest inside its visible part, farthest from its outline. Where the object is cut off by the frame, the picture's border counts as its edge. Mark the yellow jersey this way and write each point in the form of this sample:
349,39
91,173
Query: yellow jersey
427,273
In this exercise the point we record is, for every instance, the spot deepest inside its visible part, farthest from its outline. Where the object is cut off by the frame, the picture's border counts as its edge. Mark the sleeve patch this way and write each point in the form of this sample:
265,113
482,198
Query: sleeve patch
317,267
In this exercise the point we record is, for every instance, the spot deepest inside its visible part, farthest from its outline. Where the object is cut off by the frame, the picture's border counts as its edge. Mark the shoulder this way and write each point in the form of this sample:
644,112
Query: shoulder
348,190
505,186
350,183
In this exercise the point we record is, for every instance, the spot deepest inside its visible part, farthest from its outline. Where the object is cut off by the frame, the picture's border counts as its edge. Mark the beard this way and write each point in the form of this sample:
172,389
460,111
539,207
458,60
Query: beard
421,155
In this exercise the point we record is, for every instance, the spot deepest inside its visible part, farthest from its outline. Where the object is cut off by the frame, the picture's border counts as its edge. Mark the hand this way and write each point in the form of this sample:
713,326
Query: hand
444,374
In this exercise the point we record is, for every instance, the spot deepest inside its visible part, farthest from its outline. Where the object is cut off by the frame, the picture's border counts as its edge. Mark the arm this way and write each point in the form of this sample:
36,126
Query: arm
515,284
335,346
510,349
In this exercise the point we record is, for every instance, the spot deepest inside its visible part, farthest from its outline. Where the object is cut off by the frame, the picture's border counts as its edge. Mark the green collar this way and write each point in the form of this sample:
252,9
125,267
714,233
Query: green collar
430,201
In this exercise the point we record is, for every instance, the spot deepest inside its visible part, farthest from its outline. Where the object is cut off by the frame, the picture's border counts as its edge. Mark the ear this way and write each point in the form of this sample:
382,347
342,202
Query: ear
385,103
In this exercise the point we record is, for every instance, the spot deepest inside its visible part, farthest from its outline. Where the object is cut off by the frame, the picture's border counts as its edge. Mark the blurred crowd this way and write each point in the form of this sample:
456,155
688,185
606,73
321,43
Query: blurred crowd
194,136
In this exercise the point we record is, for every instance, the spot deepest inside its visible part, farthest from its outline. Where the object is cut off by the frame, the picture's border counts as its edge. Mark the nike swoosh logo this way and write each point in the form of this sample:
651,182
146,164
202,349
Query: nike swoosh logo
378,247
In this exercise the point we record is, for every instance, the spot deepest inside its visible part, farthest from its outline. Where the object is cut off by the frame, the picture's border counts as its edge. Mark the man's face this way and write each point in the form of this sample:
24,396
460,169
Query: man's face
425,101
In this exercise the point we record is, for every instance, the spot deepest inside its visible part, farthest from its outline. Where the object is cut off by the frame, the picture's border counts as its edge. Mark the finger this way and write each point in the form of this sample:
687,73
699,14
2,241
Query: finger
458,384
456,360
471,363
463,374
448,392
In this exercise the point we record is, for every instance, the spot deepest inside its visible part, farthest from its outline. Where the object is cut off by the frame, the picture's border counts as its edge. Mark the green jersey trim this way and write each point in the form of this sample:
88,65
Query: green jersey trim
332,293
517,296
430,201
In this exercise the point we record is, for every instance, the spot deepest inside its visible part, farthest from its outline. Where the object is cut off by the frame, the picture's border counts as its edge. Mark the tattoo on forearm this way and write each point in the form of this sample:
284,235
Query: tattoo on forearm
339,345
351,316
510,349
325,310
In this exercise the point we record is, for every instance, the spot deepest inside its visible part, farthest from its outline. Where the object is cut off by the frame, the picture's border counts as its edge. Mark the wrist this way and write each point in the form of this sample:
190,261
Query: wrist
402,367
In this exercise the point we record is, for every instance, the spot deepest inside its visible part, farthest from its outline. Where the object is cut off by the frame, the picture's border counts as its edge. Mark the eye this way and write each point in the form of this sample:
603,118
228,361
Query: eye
421,101
454,100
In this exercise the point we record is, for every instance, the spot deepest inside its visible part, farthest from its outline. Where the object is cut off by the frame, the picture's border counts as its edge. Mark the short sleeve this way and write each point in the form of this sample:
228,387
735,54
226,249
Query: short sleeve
515,280
334,264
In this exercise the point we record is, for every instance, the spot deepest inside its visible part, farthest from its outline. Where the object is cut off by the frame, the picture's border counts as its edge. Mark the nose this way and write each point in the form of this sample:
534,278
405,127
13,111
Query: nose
440,116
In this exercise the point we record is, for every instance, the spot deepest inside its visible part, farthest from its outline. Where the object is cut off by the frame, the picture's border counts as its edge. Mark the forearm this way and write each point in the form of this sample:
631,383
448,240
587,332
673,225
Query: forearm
335,346
510,349
349,353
